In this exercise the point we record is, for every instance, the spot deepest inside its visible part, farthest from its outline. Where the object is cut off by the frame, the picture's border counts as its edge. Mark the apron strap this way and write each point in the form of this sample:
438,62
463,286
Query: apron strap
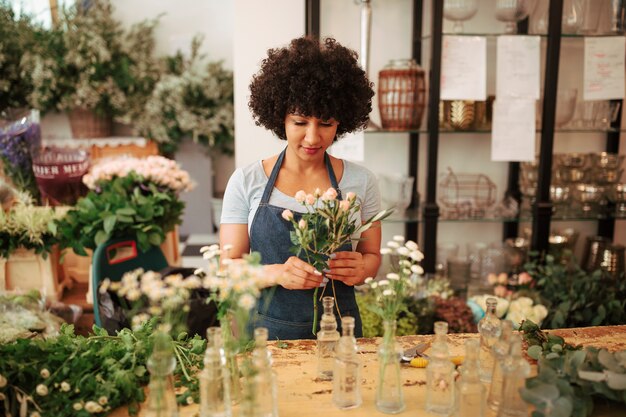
331,174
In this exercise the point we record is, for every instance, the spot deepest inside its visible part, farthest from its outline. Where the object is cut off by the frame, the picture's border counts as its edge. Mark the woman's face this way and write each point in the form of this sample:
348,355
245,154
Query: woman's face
309,137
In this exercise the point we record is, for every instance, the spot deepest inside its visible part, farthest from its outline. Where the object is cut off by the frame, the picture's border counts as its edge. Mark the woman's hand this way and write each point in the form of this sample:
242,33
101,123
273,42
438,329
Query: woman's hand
295,274
348,267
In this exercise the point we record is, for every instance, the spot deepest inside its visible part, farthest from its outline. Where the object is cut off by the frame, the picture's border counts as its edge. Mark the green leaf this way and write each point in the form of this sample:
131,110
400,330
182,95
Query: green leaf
126,211
563,407
616,381
109,223
155,239
535,352
101,237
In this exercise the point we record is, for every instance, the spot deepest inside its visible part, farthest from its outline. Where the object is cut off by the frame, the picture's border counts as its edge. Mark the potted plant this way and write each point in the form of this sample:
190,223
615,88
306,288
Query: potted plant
90,67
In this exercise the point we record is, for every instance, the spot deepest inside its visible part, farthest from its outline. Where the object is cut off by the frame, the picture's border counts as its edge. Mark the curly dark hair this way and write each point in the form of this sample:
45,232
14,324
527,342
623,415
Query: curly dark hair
311,78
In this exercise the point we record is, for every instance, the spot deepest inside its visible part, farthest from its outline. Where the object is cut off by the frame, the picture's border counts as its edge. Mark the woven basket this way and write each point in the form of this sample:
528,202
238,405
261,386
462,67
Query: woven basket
401,95
86,124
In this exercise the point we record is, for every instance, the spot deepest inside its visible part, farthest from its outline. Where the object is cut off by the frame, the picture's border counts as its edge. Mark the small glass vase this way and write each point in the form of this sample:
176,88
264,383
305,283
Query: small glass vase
161,401
389,396
231,349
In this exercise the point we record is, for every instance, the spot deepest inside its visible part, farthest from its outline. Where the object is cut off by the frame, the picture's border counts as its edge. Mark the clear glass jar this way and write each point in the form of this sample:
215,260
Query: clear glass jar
515,371
470,392
347,371
500,352
327,339
161,401
389,396
440,374
215,378
489,329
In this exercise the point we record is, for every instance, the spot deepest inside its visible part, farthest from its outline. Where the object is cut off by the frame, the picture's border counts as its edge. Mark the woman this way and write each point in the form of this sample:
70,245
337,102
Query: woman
308,94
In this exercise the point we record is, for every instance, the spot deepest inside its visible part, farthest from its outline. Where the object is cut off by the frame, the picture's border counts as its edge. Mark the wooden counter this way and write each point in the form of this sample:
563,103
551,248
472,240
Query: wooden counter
302,395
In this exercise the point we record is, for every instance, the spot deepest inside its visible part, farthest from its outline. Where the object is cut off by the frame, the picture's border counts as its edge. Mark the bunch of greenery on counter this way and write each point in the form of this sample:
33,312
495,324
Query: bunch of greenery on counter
122,207
569,377
575,298
416,316
73,375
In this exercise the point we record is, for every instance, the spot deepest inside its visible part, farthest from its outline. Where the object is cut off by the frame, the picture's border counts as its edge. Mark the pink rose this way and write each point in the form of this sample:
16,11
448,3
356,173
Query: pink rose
502,278
317,192
310,199
350,196
492,279
287,215
525,278
500,291
300,196
302,224
330,194
344,205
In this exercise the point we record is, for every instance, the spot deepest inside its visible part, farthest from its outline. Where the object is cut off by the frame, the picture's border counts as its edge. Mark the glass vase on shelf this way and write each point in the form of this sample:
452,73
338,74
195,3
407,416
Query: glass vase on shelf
500,351
489,329
215,378
347,370
515,370
389,396
161,401
327,339
512,11
470,392
458,11
440,374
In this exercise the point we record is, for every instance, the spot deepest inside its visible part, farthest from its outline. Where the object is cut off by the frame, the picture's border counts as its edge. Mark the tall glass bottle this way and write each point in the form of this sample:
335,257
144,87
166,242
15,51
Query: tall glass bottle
515,371
440,374
161,401
266,401
389,396
500,352
215,378
347,372
470,392
489,329
327,339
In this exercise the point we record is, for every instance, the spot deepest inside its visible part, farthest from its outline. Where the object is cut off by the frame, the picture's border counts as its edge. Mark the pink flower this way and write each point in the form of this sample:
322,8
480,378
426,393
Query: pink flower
492,279
310,199
300,196
344,205
317,192
350,196
525,278
287,215
330,194
502,278
500,291
302,224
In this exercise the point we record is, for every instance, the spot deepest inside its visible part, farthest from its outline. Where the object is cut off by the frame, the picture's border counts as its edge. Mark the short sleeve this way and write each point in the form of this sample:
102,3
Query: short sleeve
236,206
371,203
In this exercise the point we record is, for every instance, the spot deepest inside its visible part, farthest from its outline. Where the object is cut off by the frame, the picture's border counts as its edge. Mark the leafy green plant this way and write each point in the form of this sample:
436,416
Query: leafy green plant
122,207
576,298
73,375
569,377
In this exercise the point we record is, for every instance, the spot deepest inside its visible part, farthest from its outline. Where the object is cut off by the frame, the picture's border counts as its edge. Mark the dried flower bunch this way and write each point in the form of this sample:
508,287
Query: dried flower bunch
89,61
159,170
193,99
326,225
397,285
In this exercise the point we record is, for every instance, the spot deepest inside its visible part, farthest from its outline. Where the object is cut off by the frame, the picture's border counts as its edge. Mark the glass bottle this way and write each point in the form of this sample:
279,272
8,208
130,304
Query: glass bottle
161,400
515,370
266,401
327,339
489,329
215,378
389,396
500,351
440,374
347,372
470,392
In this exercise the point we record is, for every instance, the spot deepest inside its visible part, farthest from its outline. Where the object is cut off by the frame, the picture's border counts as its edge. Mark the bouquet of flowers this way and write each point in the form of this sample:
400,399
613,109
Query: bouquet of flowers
130,197
326,225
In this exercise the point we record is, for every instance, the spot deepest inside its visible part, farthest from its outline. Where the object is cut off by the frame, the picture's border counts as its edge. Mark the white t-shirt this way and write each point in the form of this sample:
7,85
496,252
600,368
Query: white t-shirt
246,185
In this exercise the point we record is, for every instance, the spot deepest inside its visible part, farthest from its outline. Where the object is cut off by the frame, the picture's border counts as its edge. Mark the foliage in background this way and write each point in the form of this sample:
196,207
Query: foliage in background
456,313
193,99
570,378
575,298
123,207
28,226
90,62
73,375
17,35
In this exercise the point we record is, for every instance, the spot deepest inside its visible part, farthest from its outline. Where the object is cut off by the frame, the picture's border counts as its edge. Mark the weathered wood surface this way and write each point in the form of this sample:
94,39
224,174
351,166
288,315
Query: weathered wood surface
301,394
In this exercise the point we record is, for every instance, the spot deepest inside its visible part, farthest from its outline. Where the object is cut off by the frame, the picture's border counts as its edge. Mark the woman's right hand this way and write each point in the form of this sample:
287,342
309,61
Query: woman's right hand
295,274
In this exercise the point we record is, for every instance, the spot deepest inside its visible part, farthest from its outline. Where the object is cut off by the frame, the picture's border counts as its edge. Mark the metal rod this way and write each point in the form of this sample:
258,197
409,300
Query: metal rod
366,32
312,18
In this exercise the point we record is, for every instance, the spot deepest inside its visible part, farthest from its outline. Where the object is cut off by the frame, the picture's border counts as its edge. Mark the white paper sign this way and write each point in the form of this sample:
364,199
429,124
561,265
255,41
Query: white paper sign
604,68
464,68
517,67
350,147
513,130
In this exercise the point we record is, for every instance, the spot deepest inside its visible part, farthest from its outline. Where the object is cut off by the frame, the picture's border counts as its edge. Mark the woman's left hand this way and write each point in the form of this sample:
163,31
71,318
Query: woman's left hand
348,267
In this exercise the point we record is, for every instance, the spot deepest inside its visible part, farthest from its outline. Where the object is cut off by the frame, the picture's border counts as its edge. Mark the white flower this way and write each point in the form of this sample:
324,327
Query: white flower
104,286
385,251
41,390
247,301
368,280
398,238
393,276
103,400
402,251
540,312
93,407
393,244
77,406
410,245
189,400
44,373
388,293
374,285
65,386
417,269
383,282
417,256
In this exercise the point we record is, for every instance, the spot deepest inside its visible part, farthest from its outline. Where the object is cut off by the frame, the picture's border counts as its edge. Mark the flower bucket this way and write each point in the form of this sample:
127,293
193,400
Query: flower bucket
86,124
25,270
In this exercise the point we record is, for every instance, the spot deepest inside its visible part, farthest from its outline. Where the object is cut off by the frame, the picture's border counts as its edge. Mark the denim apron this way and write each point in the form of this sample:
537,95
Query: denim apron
288,314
